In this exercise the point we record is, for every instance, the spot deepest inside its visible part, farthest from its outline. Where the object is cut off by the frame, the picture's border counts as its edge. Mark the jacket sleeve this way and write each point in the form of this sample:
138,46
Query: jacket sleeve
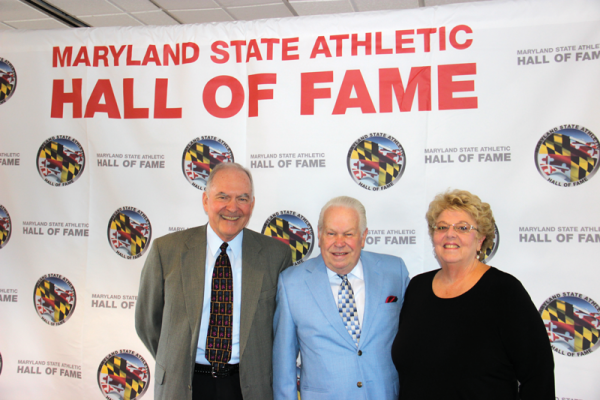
285,348
405,278
150,301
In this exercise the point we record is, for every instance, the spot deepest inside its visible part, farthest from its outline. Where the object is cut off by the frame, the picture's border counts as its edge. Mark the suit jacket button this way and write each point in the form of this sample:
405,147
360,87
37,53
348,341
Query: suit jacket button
360,352
359,384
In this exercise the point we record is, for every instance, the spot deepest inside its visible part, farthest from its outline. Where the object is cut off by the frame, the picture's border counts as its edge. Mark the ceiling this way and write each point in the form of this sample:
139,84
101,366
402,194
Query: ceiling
60,14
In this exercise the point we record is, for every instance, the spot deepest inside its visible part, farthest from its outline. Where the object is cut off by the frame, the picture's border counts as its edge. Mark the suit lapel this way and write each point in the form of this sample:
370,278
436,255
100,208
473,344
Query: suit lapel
374,281
193,261
252,276
318,284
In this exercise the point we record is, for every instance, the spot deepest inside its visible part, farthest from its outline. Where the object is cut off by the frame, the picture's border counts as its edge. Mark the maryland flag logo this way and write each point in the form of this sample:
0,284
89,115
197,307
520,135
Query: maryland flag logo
124,375
60,161
292,229
54,298
129,232
572,324
376,162
567,156
5,226
8,80
201,156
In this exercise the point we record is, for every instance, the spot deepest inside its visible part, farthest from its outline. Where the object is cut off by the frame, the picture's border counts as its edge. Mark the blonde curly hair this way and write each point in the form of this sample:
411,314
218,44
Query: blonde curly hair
461,200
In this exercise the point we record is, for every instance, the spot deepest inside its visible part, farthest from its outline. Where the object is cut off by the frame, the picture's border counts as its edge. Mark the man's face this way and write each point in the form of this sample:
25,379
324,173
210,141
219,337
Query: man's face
229,203
340,239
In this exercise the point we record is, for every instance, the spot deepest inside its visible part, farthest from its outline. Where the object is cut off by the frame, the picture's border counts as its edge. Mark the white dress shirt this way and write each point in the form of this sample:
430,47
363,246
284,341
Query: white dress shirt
234,251
357,280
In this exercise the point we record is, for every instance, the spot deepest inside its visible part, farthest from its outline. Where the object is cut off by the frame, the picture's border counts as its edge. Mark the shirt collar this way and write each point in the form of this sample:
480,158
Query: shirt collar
214,242
357,271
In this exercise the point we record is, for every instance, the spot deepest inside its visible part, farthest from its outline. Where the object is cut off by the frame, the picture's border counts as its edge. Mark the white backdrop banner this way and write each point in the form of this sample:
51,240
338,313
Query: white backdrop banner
107,136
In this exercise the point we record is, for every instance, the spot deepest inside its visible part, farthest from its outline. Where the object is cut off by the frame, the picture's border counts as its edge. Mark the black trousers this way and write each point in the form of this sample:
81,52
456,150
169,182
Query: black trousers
205,387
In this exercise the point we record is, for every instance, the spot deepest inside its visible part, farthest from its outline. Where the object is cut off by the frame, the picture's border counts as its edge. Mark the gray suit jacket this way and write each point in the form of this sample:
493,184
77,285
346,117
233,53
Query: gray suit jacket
169,309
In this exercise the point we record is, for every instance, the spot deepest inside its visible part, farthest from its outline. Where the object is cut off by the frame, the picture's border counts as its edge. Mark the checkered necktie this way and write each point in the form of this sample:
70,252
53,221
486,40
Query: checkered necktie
218,338
347,309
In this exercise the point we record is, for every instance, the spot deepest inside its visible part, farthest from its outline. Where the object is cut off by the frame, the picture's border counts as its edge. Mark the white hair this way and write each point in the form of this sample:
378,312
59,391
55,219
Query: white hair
229,165
348,202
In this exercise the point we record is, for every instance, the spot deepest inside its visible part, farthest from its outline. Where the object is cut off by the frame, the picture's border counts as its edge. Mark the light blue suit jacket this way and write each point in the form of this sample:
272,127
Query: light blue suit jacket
307,321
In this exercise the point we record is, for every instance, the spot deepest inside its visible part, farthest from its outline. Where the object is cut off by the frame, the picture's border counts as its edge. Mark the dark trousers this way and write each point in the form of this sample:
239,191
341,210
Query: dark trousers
205,387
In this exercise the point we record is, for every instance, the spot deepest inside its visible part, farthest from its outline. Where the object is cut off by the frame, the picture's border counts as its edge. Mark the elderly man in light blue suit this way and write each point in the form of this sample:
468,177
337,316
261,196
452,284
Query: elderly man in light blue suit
340,311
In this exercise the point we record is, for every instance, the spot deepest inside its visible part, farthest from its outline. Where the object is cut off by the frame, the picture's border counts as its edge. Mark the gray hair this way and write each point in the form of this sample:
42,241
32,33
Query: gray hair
348,202
229,165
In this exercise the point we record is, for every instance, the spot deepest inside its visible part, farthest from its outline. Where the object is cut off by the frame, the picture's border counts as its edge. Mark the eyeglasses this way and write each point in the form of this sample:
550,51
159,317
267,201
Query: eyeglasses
460,227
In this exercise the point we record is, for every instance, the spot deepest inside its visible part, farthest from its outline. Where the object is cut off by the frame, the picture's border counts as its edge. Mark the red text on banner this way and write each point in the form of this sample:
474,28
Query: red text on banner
390,87
104,90
106,56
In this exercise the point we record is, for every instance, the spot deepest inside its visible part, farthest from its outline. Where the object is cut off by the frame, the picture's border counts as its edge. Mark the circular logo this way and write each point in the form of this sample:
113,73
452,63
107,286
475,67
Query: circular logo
567,155
376,161
8,80
123,374
292,229
200,156
572,321
489,253
61,160
5,226
129,232
54,298
0,364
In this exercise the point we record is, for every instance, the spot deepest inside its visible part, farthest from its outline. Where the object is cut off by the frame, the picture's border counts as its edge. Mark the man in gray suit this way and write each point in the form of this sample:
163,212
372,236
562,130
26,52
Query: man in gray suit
207,297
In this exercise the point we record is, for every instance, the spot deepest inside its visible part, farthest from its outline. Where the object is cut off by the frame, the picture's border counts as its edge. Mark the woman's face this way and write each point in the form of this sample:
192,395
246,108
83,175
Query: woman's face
456,247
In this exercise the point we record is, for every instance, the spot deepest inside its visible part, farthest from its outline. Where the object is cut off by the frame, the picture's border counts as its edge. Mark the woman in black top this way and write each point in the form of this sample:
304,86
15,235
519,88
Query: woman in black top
467,330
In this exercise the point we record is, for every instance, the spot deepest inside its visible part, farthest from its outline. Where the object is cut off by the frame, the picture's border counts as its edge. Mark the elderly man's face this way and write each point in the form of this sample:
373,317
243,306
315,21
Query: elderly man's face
340,239
229,203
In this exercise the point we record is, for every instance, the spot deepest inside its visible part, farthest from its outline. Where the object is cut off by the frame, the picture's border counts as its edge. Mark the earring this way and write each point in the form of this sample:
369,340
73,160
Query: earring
478,254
